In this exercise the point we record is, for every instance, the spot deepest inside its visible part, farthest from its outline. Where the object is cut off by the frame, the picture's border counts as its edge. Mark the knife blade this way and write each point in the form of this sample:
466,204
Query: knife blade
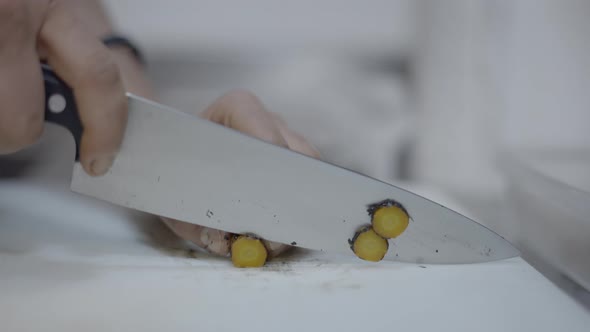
180,166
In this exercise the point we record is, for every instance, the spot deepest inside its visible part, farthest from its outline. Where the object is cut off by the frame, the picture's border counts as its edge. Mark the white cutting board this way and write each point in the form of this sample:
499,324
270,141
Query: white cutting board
69,263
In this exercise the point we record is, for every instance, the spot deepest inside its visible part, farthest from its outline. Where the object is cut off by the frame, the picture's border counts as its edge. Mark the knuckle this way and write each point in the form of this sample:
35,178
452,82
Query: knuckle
100,68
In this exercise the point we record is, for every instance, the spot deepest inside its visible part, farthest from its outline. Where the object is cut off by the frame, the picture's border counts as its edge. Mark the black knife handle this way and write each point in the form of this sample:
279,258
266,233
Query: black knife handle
60,105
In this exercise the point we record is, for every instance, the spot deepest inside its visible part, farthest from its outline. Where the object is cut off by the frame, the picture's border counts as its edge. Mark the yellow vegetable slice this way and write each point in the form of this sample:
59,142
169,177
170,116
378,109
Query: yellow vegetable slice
390,221
248,251
368,245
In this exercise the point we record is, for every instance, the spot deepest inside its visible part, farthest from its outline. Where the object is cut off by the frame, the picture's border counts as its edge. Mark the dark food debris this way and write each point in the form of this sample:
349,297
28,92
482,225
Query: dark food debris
372,208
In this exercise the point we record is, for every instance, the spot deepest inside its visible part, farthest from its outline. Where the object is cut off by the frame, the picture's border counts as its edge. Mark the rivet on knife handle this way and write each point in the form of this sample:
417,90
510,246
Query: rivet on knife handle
60,105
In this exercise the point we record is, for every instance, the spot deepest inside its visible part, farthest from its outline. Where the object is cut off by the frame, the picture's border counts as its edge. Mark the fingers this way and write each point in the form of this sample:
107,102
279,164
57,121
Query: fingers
85,64
295,141
242,111
212,240
21,89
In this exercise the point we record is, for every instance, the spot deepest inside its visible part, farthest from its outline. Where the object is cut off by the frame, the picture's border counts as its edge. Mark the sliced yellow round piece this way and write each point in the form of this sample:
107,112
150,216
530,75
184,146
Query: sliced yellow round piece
390,221
248,251
369,246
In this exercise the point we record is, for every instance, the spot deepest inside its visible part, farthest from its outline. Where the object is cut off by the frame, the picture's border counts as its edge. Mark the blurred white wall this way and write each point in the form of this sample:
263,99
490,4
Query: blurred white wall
458,112
546,81
328,67
495,75
267,27
486,75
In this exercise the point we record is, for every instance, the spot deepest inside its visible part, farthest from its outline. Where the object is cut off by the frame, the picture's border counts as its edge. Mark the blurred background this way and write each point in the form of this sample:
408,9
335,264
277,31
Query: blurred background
488,101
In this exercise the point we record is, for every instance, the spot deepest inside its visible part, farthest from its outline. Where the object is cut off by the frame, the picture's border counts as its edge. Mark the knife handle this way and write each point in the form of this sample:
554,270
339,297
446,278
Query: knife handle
60,105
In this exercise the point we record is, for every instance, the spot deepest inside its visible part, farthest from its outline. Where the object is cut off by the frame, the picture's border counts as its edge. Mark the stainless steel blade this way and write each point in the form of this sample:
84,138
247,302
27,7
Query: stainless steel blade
179,166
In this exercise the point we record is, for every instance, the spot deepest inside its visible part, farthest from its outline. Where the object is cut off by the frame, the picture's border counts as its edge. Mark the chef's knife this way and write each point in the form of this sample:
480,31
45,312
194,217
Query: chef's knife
180,166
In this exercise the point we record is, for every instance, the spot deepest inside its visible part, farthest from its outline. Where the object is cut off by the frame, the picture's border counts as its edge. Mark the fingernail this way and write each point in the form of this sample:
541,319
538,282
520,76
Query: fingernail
101,165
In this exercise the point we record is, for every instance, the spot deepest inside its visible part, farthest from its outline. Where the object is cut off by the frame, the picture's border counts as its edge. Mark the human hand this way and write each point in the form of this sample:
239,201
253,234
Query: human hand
242,111
66,34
